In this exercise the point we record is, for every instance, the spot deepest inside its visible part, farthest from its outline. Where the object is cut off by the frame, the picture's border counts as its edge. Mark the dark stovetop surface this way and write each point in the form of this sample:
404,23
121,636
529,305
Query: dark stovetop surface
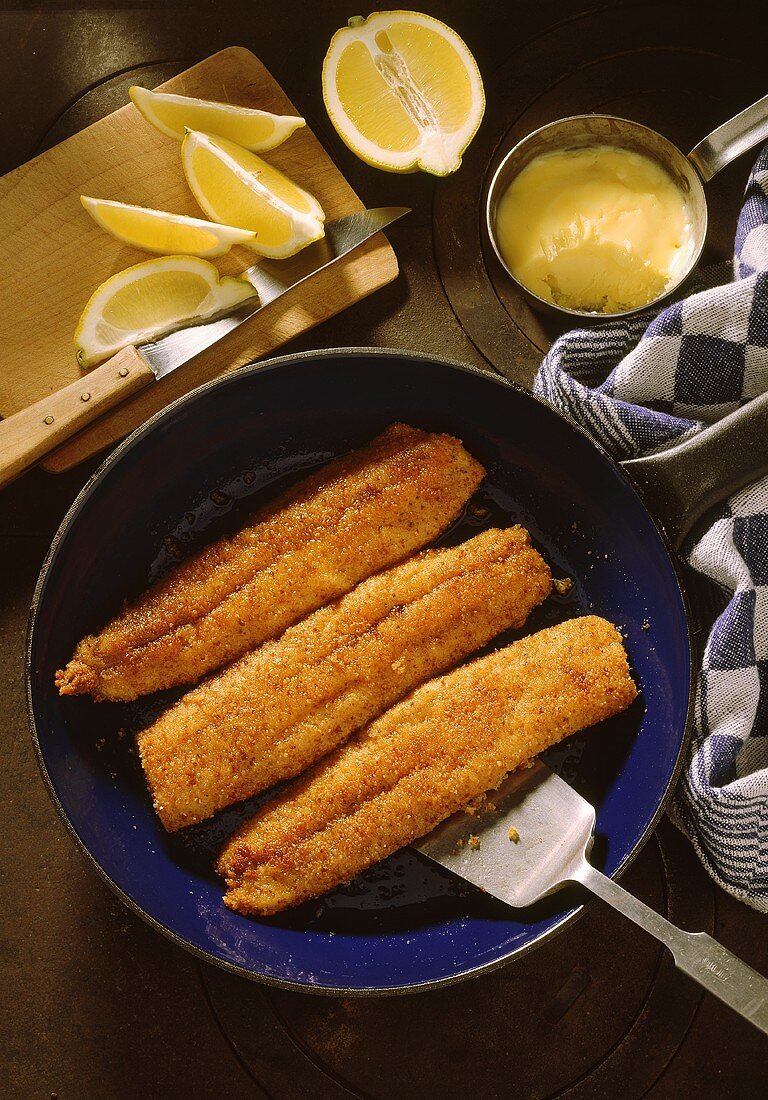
95,1003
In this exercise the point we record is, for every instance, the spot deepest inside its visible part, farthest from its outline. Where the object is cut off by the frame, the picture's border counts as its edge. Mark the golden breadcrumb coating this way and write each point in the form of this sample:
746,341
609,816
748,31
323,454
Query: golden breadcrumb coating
279,709
429,756
350,519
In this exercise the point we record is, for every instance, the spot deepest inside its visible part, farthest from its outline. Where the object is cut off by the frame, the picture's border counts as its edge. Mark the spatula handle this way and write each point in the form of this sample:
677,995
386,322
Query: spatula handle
27,436
705,960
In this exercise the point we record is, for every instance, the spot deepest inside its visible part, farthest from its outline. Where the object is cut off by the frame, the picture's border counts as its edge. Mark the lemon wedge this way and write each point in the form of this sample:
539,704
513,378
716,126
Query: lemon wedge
403,92
151,299
159,231
175,114
236,187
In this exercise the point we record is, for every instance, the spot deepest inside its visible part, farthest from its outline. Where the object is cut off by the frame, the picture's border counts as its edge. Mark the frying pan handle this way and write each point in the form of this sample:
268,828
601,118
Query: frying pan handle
678,485
740,133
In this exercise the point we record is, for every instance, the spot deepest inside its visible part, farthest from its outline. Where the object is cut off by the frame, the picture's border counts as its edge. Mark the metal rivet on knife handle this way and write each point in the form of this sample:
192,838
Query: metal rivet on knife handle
85,396
48,420
123,372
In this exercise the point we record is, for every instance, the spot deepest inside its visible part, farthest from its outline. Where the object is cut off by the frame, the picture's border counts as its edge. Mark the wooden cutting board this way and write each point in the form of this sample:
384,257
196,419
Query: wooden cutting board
53,256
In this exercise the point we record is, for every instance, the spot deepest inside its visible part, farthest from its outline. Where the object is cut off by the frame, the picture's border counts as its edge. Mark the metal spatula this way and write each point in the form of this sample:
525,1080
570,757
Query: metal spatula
536,840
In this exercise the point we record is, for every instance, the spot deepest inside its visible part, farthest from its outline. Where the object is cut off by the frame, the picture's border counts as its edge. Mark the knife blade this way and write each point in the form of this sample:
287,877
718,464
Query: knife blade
29,435
271,279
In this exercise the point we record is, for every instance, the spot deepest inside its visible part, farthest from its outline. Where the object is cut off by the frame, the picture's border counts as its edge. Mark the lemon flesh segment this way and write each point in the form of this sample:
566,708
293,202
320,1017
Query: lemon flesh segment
159,231
403,92
373,107
236,187
173,115
151,299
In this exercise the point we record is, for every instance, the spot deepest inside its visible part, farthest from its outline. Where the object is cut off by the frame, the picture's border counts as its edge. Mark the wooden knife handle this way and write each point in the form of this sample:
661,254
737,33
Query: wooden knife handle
26,436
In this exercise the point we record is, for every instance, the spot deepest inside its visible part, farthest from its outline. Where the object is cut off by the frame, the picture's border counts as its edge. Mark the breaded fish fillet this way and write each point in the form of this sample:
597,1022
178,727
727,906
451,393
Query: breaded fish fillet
451,740
352,518
282,707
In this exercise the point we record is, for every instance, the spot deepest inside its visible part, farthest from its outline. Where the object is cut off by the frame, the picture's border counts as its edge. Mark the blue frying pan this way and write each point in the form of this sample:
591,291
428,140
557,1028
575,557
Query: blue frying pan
195,471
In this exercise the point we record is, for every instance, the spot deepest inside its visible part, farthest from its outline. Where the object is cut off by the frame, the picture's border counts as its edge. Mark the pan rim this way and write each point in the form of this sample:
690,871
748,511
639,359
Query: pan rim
131,441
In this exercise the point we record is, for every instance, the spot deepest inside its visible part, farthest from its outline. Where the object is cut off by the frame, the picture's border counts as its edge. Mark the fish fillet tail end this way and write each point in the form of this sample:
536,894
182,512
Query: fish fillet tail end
269,898
78,678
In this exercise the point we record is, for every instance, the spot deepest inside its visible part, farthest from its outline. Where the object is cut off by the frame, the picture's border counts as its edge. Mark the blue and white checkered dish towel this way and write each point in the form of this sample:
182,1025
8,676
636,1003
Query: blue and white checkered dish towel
638,387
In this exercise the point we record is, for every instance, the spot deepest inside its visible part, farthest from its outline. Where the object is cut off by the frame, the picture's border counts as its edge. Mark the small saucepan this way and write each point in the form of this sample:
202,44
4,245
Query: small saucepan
690,173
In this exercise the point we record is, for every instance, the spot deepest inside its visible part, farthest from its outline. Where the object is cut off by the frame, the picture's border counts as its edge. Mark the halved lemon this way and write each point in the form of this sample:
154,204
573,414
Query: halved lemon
151,299
175,114
403,91
159,231
236,187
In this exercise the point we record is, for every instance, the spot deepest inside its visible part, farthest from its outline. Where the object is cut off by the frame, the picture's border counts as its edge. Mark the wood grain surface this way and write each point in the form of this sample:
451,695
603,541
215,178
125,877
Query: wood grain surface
53,256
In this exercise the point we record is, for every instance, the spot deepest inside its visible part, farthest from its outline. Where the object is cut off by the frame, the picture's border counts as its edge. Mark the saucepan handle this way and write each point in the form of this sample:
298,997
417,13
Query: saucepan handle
740,133
679,484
